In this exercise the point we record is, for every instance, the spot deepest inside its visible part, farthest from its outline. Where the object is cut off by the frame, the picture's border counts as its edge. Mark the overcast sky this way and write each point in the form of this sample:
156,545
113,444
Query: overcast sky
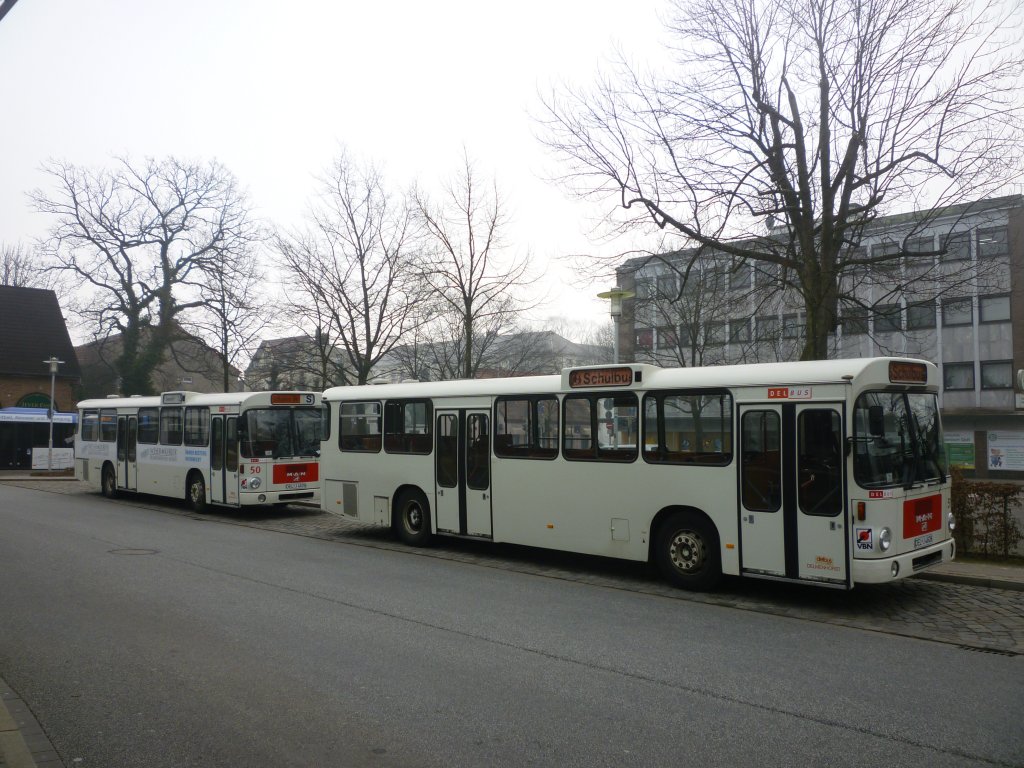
272,90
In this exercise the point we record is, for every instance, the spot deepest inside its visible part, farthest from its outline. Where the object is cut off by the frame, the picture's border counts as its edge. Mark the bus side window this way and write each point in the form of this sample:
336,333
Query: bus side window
149,425
688,428
90,426
762,461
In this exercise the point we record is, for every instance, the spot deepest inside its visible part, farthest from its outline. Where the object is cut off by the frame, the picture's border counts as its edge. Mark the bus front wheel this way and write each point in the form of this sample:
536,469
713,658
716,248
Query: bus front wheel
687,552
196,492
109,482
412,518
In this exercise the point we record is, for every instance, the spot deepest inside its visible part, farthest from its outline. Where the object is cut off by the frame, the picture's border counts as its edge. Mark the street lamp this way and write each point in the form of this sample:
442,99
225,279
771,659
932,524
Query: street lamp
53,362
616,295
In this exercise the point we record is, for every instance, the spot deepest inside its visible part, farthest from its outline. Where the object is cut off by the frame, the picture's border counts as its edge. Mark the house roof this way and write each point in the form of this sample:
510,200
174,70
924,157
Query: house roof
33,330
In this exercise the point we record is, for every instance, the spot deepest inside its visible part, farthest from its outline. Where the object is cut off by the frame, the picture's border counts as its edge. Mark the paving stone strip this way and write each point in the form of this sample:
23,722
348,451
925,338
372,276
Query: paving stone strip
972,617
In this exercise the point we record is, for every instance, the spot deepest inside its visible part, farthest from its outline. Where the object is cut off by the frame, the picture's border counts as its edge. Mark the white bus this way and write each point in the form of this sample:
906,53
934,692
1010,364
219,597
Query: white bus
830,472
235,449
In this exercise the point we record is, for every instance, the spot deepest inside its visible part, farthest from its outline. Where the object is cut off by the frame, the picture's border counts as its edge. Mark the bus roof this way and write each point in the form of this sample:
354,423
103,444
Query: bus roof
875,370
188,398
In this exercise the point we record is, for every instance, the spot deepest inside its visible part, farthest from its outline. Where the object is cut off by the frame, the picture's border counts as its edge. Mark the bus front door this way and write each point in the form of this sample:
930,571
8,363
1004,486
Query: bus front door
793,519
462,496
224,460
127,445
217,460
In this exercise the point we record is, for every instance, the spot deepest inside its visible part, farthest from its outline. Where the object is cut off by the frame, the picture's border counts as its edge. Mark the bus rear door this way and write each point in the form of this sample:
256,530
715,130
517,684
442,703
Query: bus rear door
793,517
463,473
127,446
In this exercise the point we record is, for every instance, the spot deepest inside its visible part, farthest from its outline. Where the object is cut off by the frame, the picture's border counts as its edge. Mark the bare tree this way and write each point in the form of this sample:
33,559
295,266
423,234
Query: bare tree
479,292
21,269
354,271
234,312
142,239
793,125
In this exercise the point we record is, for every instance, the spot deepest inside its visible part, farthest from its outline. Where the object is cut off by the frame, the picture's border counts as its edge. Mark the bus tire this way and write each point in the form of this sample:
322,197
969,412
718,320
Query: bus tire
412,518
687,552
195,491
108,482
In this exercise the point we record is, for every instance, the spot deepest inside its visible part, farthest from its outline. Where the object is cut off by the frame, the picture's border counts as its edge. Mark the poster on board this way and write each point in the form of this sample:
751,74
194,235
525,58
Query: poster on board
959,448
1006,451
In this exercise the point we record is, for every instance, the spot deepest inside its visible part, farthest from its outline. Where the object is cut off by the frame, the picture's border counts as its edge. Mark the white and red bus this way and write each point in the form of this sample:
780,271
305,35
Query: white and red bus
235,449
829,472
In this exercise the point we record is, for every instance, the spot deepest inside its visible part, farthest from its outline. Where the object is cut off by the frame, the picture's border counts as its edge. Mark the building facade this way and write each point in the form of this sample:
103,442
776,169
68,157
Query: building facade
34,331
950,289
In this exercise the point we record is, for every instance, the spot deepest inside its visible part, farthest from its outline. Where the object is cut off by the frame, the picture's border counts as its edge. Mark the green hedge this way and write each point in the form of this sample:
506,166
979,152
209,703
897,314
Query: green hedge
985,523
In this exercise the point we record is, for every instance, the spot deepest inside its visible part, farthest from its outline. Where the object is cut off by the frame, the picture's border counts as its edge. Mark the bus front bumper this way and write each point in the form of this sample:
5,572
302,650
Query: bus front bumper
883,569
253,498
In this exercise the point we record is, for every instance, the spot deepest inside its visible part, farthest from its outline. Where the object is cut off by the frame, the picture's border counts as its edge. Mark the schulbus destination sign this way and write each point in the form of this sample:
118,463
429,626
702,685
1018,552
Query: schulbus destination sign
621,376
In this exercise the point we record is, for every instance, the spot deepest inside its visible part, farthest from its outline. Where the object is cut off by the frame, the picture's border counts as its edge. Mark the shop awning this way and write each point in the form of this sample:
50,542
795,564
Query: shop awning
35,416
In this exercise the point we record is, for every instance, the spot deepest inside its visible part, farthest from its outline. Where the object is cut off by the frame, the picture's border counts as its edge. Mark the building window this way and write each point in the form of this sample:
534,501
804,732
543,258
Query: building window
997,374
767,273
957,376
993,309
854,321
739,331
956,247
667,287
888,318
913,258
792,327
644,288
715,332
992,242
768,328
920,315
887,248
645,338
957,312
667,337
739,276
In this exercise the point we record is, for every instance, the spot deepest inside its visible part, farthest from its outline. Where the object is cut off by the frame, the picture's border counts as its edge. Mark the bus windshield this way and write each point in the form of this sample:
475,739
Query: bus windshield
279,433
897,439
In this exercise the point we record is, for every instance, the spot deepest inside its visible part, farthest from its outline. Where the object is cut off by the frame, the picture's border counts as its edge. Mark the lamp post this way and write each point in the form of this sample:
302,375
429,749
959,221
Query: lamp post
616,295
53,362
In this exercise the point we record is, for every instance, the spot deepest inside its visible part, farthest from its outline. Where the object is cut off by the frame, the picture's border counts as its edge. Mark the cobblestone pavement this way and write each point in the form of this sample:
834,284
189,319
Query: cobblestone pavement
975,618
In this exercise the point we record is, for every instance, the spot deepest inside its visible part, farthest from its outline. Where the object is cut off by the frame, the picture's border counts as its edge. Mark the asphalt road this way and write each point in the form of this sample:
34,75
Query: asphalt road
140,638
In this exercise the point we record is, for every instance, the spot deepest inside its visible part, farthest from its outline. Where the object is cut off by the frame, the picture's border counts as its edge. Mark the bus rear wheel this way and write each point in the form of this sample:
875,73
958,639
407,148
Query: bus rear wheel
687,552
196,492
108,486
412,518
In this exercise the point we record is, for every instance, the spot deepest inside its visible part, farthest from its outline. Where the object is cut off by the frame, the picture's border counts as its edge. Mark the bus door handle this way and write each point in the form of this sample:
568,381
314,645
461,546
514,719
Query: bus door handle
485,497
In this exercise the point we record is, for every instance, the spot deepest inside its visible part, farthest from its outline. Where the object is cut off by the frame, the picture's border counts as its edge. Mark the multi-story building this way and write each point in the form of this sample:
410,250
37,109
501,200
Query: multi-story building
950,289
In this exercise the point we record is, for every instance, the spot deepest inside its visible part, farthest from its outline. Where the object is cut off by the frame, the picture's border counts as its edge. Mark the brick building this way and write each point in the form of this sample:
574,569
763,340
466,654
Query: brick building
33,331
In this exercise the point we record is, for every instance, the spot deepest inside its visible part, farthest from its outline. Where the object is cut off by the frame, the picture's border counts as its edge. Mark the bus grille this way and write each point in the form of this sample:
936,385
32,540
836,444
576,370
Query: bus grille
920,563
298,495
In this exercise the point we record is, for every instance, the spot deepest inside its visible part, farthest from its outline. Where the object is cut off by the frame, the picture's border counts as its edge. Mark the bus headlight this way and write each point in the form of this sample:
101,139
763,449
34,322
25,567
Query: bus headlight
254,483
885,539
951,521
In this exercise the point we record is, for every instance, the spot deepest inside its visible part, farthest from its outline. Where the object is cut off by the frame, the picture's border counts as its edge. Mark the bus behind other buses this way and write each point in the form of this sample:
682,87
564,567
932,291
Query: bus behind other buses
235,449
827,472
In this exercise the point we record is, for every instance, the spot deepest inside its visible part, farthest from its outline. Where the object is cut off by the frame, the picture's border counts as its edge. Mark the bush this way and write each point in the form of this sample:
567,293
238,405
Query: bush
985,523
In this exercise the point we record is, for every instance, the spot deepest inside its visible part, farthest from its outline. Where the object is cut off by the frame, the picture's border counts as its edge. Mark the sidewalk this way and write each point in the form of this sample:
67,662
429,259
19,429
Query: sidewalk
22,741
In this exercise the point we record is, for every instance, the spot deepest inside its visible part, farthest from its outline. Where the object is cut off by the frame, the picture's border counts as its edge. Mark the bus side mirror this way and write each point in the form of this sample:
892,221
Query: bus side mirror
876,421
